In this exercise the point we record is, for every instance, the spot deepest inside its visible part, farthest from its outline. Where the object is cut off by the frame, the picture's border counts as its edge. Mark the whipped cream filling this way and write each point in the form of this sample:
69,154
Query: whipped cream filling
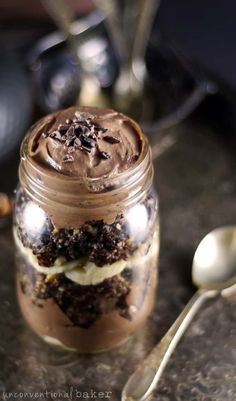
88,273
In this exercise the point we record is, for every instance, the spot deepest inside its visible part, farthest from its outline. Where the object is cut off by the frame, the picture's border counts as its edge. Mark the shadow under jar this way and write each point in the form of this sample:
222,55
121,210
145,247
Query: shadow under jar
86,229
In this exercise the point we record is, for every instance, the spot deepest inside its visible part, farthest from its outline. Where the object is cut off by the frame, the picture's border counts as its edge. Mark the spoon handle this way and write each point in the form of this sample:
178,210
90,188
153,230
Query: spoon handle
143,381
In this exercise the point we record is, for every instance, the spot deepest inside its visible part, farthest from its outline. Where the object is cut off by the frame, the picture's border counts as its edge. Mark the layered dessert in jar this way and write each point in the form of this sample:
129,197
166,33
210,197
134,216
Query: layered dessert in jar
86,229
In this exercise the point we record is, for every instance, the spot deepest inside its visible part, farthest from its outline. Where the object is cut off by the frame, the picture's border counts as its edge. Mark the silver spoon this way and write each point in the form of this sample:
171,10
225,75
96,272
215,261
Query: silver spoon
214,273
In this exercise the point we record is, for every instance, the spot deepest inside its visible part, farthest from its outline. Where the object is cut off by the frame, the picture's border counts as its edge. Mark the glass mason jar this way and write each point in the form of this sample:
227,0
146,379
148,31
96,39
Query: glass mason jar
86,253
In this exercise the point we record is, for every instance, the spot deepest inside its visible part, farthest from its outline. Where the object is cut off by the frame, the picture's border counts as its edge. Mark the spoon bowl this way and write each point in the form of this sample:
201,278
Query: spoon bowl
214,262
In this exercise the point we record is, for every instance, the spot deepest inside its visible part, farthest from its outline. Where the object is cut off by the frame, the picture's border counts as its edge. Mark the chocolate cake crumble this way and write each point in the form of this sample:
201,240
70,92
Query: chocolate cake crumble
97,241
83,305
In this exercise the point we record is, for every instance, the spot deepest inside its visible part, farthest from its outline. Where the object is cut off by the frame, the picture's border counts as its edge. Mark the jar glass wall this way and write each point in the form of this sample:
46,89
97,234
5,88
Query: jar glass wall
87,285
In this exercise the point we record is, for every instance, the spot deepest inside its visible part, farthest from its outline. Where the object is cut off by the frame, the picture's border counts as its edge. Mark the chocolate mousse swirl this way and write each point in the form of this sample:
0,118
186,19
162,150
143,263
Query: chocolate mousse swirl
83,164
86,142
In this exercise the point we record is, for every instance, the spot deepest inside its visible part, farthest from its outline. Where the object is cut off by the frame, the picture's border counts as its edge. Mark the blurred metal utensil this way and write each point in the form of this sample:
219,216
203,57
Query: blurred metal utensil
129,23
147,12
111,11
15,103
56,75
62,14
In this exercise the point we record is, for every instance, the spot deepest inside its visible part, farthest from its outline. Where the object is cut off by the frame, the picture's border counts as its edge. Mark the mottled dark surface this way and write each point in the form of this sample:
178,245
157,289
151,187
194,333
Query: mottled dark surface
196,180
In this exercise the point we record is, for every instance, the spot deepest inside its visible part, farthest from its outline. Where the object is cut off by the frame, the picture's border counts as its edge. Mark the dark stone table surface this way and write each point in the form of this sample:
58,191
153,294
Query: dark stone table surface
196,181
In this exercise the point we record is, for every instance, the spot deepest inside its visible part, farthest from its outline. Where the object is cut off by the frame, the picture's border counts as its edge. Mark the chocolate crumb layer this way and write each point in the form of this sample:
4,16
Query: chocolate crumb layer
83,305
95,241
84,142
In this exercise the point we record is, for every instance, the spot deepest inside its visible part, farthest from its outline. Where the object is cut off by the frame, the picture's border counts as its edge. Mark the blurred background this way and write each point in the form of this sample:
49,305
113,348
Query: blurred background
158,61
171,64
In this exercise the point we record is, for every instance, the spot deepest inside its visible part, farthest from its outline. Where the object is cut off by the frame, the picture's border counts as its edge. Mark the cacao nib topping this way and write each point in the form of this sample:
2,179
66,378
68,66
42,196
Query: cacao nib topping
111,139
56,135
80,132
104,155
77,143
104,130
68,159
63,128
87,141
85,148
